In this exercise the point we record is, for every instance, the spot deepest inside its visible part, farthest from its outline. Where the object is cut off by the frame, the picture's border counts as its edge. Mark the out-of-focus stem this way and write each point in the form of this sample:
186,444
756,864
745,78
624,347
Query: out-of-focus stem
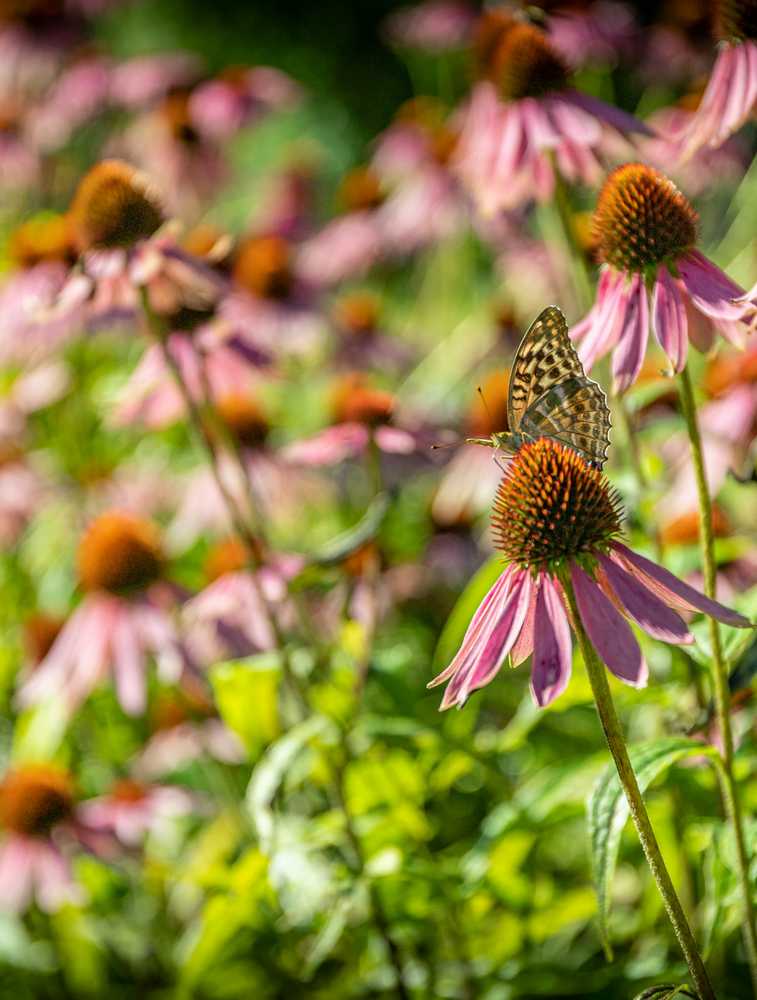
156,329
617,744
728,787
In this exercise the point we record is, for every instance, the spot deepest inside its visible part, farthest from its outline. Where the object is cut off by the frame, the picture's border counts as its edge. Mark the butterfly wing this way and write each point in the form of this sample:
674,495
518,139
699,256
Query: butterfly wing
550,394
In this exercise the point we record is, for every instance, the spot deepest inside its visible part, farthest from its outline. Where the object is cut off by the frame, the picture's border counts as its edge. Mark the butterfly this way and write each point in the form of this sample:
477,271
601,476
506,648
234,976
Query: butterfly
550,395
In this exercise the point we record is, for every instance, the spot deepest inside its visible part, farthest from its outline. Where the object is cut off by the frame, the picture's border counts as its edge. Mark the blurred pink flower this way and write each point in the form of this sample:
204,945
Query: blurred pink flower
78,95
526,612
40,829
362,415
523,121
362,342
131,810
603,32
124,617
219,107
435,26
647,234
151,396
138,82
729,99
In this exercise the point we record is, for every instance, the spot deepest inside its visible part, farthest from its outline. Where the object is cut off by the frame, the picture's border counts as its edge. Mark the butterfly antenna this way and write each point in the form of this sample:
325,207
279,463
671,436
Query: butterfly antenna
480,391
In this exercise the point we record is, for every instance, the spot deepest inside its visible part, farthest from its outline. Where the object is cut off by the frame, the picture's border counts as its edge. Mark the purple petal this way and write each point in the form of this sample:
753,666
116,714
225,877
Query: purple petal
524,644
655,617
608,631
395,440
551,665
128,666
710,290
632,343
674,591
669,318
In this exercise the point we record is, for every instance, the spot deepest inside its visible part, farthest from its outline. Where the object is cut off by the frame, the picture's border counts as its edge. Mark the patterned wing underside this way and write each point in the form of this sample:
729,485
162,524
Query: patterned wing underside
550,394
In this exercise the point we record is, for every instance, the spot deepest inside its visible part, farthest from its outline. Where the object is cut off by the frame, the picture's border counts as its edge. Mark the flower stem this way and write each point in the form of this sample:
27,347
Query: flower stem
156,330
617,744
728,787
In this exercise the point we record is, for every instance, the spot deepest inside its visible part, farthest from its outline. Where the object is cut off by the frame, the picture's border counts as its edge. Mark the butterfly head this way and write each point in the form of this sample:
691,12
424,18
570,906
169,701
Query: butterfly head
501,441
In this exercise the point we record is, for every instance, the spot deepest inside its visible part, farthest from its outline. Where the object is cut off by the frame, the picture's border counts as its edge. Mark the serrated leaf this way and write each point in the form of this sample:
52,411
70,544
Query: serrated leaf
608,811
463,611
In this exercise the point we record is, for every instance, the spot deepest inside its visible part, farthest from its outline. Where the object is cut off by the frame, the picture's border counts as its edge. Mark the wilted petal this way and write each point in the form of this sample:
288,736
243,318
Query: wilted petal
608,631
655,617
551,664
669,318
674,591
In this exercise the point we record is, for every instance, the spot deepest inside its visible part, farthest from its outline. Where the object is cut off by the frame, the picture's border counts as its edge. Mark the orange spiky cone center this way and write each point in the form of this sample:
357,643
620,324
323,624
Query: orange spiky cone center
34,798
521,62
357,312
45,237
263,266
119,553
228,556
114,207
642,219
354,400
361,189
552,507
244,418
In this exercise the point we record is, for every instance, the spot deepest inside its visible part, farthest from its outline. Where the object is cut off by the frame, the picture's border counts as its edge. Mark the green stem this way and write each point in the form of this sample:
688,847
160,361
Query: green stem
157,332
728,787
617,744
581,277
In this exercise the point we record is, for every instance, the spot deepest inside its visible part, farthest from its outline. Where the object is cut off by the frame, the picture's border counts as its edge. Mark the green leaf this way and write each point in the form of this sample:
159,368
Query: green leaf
463,611
246,692
364,531
608,811
270,771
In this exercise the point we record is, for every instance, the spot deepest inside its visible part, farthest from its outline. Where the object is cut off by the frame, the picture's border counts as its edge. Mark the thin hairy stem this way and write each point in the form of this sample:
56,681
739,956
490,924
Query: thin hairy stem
728,787
617,744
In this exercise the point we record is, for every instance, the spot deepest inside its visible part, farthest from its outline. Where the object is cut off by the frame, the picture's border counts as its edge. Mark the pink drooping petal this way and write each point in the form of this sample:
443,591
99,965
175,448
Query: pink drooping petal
16,882
669,318
395,440
54,884
481,625
632,342
608,631
330,447
497,646
673,591
573,121
710,290
647,610
607,318
524,644
128,665
551,663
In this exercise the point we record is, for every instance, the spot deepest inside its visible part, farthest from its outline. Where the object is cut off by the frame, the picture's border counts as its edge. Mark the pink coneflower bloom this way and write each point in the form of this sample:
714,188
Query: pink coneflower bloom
469,483
363,343
424,203
117,225
731,93
132,809
22,490
599,33
39,830
125,617
523,120
218,108
228,619
279,486
185,729
141,81
351,243
79,94
434,26
556,521
361,414
207,363
646,232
